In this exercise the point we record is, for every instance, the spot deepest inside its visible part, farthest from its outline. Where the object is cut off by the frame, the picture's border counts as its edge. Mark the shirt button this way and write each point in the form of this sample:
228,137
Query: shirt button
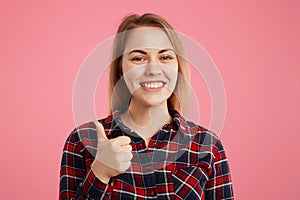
154,144
108,193
153,193
149,168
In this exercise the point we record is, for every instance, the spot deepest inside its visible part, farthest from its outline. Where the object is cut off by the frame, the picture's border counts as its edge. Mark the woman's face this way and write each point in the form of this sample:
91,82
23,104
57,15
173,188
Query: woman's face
150,66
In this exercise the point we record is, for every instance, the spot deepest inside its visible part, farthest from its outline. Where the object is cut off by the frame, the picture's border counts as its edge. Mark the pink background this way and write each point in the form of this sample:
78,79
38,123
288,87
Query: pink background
255,45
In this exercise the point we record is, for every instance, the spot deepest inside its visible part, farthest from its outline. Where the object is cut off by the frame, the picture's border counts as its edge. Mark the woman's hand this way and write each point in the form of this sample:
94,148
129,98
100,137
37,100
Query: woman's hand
113,156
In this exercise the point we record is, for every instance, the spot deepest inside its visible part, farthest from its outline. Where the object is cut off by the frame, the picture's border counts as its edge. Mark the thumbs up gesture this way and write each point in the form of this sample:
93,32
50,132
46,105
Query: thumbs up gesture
113,156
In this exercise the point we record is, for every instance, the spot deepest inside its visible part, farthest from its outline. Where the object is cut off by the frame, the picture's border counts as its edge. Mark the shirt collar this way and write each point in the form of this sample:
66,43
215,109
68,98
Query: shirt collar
178,121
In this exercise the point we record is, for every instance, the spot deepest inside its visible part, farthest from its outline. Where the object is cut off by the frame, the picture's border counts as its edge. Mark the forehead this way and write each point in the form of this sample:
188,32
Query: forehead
147,38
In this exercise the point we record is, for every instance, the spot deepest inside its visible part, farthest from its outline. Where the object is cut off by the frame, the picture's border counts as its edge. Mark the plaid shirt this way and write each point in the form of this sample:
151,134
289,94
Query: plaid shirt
182,161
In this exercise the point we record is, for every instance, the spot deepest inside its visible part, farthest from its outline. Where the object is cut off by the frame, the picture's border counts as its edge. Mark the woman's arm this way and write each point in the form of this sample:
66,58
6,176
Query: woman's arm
219,185
77,180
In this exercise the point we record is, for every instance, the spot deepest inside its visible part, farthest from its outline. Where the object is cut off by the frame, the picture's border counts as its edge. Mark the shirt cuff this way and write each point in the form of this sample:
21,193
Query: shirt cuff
95,188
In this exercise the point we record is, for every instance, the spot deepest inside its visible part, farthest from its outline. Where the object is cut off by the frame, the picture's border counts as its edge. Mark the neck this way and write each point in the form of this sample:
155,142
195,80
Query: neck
146,120
146,115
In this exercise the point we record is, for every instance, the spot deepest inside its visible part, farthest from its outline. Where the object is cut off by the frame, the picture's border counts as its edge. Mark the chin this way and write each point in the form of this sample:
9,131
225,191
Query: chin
151,99
155,101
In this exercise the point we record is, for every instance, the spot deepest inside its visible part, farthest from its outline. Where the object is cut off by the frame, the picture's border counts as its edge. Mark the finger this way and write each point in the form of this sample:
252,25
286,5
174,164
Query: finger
121,141
127,157
100,131
124,166
124,157
126,148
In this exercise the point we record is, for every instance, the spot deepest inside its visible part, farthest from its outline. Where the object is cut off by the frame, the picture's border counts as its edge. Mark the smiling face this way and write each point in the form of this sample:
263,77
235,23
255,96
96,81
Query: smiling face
150,66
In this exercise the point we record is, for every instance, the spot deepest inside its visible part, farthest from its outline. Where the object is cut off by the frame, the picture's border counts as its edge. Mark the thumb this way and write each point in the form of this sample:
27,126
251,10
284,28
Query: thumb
100,131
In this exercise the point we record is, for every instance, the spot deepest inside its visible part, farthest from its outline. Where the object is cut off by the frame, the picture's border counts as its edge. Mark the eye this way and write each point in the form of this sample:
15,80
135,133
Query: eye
166,58
138,59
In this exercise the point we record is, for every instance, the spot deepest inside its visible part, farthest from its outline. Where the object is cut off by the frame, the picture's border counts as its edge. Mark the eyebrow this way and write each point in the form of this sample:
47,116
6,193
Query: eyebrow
144,52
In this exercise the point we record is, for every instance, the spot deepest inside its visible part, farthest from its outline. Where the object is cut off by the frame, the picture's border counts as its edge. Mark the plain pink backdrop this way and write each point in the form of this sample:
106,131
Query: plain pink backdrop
255,45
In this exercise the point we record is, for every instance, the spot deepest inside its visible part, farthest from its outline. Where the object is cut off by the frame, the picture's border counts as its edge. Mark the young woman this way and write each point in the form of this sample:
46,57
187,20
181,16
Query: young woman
145,149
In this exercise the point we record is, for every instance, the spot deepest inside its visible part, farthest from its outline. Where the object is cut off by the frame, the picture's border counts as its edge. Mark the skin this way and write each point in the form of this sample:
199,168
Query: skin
149,57
150,70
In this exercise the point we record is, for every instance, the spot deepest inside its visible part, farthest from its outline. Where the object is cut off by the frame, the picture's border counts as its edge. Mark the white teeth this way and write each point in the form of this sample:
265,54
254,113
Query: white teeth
152,85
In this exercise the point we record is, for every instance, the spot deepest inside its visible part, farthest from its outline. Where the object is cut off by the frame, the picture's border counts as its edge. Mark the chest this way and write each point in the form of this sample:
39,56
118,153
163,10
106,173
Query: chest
181,174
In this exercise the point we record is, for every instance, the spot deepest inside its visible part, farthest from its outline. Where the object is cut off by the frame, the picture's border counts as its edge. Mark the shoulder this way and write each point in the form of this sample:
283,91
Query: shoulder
203,136
199,132
85,135
203,139
203,145
82,132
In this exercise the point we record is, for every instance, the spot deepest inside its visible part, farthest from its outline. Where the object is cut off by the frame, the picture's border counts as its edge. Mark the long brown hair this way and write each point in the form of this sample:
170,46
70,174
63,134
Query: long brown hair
119,94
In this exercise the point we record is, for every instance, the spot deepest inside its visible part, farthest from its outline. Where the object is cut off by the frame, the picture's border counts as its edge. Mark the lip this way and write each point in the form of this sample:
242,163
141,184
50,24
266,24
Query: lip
153,85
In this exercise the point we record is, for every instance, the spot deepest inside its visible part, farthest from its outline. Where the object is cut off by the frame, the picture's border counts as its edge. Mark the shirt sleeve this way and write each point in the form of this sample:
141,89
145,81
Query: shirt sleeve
219,184
76,180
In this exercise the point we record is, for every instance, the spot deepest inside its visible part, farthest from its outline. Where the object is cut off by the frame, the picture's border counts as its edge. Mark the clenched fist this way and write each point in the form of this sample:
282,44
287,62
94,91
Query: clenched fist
113,156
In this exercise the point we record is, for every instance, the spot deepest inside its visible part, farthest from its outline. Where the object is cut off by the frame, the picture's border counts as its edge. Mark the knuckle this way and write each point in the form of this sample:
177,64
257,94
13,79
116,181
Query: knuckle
118,157
130,156
113,141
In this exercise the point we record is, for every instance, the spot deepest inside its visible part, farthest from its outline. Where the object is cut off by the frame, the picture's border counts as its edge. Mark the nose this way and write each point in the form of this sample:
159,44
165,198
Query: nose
153,68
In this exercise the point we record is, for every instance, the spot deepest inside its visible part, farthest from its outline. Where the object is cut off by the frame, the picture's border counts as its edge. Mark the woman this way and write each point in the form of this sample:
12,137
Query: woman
145,149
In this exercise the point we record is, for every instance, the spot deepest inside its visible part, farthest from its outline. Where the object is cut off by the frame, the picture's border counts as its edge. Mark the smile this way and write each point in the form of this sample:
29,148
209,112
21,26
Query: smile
152,84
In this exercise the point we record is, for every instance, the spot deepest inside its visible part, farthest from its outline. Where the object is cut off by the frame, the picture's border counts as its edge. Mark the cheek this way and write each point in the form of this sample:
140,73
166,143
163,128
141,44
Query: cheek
131,76
125,66
172,75
172,72
126,75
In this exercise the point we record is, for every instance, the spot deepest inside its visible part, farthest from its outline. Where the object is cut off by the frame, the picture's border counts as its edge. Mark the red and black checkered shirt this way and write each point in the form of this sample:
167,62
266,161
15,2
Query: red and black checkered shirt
182,161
